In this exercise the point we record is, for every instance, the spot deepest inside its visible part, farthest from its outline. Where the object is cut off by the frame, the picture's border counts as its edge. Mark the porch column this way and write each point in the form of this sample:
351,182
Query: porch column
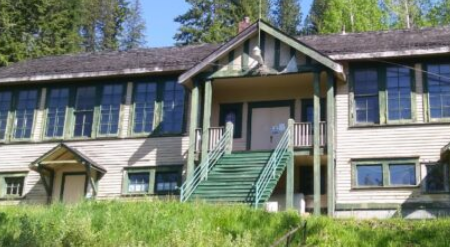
316,143
193,124
206,118
290,168
330,143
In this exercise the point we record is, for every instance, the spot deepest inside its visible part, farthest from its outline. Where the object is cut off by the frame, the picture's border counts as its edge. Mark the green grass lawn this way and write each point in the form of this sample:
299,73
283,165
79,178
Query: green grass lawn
170,223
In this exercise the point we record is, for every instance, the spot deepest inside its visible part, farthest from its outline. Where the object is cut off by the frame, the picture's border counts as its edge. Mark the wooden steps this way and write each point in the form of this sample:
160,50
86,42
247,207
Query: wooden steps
232,179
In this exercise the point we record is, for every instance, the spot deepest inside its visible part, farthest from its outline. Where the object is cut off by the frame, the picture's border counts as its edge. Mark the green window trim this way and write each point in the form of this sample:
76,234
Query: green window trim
152,173
385,165
46,114
158,112
3,185
426,94
237,108
383,109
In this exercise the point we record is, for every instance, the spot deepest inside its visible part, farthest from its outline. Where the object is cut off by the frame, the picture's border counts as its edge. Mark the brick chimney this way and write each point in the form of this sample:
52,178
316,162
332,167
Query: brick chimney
244,24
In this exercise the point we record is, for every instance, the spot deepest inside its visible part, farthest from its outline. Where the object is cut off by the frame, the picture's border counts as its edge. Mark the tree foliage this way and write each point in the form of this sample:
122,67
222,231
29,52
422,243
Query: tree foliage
36,28
287,16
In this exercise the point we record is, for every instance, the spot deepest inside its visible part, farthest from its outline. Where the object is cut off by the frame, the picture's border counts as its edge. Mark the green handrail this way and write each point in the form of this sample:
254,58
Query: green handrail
270,170
202,171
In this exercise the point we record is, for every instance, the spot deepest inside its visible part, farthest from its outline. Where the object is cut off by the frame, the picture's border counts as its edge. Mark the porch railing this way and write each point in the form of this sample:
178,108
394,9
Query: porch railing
304,134
222,146
270,170
215,133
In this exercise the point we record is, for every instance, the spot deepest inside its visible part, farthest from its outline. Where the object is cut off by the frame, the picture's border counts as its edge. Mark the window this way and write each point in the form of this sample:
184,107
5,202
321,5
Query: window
173,108
84,111
398,84
167,182
110,109
437,178
144,107
138,182
152,180
5,107
438,78
308,110
385,173
12,184
24,113
366,96
232,113
58,99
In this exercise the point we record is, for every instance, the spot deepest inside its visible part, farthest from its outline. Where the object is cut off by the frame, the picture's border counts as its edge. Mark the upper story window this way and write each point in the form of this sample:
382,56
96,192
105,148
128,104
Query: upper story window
110,109
5,107
382,95
144,107
84,111
57,103
173,108
24,113
438,78
366,96
398,87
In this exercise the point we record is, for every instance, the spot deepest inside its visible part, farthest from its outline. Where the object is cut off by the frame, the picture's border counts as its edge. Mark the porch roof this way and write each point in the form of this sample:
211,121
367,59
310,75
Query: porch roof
64,154
239,39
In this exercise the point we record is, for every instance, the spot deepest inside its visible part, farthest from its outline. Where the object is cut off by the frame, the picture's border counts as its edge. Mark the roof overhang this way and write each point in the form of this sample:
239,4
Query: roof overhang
64,154
391,54
249,32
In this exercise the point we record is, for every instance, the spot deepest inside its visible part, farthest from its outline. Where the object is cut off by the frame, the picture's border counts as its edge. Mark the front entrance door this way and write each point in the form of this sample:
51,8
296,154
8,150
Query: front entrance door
268,126
74,188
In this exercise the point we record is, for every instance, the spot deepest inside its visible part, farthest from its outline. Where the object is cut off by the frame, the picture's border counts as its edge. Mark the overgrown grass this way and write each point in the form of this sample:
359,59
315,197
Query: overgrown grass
169,223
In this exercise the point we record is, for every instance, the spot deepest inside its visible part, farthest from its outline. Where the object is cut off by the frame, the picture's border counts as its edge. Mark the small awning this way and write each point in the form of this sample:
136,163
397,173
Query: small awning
64,154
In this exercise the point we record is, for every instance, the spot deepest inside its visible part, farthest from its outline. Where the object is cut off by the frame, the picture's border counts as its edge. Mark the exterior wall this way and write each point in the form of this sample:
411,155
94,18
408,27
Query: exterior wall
419,139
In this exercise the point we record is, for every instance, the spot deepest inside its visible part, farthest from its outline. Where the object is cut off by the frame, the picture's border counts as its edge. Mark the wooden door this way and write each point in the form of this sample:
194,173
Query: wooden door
268,125
73,190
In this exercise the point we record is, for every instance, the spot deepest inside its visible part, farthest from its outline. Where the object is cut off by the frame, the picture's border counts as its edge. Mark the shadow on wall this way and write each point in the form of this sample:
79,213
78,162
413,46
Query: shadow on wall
431,198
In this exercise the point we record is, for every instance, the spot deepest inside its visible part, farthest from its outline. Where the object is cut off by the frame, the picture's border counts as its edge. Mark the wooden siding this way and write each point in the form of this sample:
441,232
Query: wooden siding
419,139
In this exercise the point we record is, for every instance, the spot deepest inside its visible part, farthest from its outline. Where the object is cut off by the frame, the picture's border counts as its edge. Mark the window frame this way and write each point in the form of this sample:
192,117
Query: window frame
238,107
9,118
383,104
385,163
426,93
3,176
158,110
167,192
152,171
97,109
46,111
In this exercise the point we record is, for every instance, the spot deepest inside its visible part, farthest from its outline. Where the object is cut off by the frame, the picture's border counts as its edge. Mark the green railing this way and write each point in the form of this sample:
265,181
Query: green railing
270,170
224,145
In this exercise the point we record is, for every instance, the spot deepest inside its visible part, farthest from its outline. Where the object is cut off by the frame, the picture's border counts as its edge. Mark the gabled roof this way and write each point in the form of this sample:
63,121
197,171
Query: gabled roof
61,150
246,34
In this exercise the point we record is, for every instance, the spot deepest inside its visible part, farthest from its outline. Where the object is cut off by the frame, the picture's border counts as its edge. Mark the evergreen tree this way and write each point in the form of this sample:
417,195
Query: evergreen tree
407,13
133,34
314,20
287,16
216,21
440,13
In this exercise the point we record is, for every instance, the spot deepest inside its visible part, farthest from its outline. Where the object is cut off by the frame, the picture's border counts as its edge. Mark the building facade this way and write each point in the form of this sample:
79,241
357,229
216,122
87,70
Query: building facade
344,124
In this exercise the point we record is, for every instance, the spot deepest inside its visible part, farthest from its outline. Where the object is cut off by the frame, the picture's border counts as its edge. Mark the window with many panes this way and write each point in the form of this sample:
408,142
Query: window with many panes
144,107
57,102
438,78
110,109
138,182
167,182
26,104
385,173
436,178
5,107
173,108
12,185
83,111
398,87
366,96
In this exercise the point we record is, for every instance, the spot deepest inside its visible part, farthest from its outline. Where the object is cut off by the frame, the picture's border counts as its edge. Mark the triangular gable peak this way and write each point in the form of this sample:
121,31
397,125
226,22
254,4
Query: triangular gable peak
280,53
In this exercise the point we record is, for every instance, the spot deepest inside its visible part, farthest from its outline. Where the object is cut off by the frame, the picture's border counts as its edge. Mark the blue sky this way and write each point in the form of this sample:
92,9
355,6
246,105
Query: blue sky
159,15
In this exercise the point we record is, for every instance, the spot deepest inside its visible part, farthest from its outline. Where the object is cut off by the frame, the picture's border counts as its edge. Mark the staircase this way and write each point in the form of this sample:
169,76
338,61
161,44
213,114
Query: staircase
233,179
240,177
